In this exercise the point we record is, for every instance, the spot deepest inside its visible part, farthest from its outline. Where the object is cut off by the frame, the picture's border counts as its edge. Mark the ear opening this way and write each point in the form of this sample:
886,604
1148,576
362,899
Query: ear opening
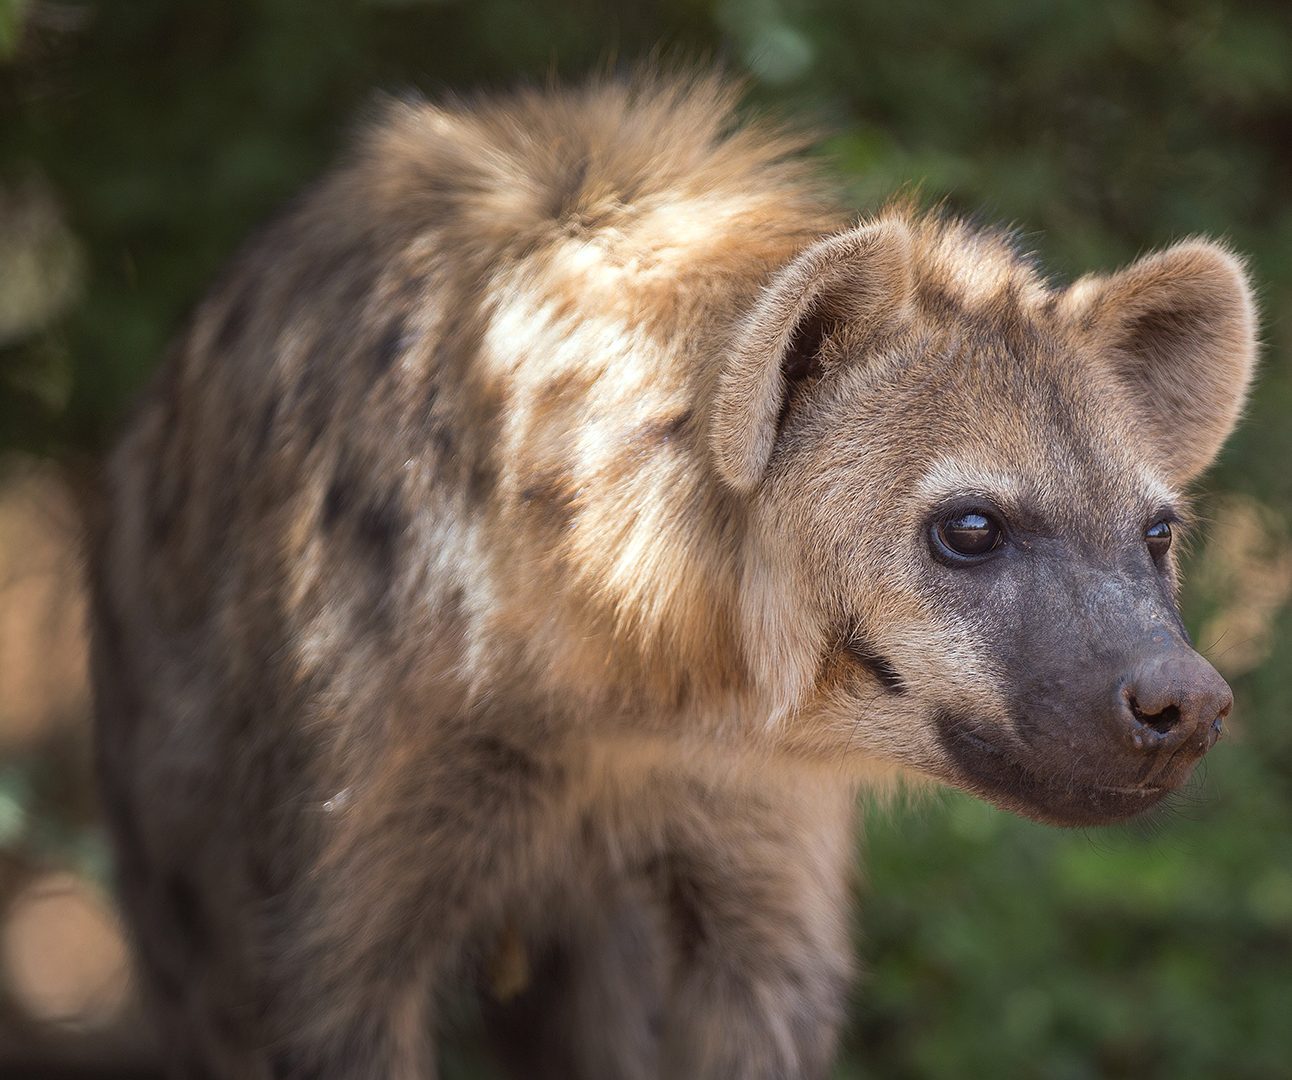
860,277
802,361
1178,330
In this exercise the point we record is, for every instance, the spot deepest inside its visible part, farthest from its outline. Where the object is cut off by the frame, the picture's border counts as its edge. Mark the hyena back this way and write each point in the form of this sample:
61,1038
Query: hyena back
545,527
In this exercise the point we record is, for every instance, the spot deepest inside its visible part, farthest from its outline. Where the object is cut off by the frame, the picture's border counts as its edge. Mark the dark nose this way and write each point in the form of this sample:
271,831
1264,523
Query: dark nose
1174,700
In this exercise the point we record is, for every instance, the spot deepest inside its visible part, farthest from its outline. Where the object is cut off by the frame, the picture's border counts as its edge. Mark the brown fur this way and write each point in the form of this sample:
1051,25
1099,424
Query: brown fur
479,607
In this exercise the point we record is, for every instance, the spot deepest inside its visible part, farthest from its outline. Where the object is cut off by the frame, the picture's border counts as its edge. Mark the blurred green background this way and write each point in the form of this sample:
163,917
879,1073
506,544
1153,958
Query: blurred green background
139,141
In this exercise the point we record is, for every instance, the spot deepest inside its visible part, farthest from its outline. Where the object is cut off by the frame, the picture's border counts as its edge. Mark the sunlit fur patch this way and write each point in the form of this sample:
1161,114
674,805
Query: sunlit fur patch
1157,492
949,477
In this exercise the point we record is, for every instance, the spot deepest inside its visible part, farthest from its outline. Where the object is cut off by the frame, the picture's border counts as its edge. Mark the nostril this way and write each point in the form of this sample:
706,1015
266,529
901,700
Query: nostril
1173,701
1161,721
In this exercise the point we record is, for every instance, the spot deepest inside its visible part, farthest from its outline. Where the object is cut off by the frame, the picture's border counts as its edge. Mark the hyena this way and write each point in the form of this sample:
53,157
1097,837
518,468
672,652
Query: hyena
547,526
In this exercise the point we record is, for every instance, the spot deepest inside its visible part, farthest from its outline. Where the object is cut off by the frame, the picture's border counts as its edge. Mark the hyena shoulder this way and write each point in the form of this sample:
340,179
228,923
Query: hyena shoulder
490,333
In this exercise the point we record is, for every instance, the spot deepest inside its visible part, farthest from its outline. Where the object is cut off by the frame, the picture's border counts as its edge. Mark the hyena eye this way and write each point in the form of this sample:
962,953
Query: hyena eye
1158,538
966,535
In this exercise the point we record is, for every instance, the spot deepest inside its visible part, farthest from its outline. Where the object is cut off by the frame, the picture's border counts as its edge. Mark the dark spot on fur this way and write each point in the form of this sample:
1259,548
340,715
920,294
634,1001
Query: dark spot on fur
436,421
242,719
498,756
663,429
393,342
266,425
481,481
317,420
337,501
566,384
937,301
542,490
443,441
550,499
379,526
367,524
683,903
876,663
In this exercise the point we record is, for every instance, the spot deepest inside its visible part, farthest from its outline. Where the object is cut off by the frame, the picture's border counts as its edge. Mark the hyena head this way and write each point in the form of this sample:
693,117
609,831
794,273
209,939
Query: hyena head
967,492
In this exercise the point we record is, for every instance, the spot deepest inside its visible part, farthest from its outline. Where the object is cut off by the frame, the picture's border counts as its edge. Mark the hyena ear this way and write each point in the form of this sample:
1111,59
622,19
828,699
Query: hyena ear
1179,329
861,278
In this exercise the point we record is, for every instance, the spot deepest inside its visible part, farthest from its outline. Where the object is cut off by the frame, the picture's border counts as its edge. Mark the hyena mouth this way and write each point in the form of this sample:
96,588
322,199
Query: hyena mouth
1141,790
999,774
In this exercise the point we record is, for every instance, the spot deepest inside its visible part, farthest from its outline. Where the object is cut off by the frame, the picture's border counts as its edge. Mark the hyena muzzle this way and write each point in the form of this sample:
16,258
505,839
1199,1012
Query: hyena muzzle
547,525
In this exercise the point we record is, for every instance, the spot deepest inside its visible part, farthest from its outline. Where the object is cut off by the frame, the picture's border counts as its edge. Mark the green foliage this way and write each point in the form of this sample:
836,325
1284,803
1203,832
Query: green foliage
164,131
11,17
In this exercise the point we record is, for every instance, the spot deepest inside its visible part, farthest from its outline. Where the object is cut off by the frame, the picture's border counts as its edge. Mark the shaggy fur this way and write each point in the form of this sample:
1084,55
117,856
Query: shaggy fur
520,561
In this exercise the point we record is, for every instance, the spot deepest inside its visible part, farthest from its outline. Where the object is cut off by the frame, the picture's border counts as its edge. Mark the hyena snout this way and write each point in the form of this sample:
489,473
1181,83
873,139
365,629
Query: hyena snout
1172,706
1097,735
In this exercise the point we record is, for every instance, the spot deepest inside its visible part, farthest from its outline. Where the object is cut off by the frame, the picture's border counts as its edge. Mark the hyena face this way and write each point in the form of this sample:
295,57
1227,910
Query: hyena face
973,483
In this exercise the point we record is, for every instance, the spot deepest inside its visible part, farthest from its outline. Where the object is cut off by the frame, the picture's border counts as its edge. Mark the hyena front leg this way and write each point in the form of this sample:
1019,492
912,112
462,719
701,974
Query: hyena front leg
416,862
303,983
595,991
242,989
387,1035
384,943
758,887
